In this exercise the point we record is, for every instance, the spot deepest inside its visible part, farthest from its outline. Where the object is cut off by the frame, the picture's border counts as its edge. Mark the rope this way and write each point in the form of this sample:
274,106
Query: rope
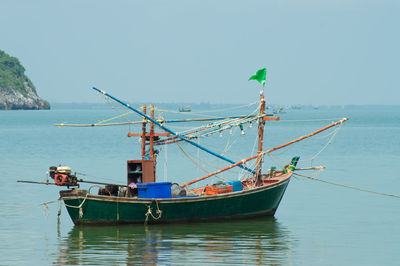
209,129
165,163
275,157
97,177
115,117
214,110
45,204
219,123
327,144
115,108
196,164
312,120
149,212
80,205
346,186
227,126
242,172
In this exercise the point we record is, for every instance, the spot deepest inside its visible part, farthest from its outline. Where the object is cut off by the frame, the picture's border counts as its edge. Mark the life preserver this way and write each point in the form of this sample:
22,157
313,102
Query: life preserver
60,179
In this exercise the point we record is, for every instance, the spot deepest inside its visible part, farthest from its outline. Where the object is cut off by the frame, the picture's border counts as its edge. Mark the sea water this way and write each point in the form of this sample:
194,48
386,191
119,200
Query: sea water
316,223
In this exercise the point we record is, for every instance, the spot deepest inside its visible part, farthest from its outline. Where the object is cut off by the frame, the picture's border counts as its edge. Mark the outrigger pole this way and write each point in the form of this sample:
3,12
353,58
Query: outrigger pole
160,121
78,181
172,132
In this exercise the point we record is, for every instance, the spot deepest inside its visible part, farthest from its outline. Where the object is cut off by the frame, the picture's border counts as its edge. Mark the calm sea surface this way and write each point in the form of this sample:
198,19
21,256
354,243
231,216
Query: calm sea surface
316,223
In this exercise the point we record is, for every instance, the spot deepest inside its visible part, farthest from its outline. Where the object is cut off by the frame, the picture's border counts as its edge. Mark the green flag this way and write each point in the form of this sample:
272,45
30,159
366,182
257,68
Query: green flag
260,76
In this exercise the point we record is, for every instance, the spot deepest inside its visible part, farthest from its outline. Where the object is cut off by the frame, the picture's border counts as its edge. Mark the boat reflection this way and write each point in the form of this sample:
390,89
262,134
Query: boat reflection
260,241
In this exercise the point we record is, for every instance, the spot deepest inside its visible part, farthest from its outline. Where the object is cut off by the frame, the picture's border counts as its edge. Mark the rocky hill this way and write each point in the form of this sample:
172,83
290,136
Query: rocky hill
16,89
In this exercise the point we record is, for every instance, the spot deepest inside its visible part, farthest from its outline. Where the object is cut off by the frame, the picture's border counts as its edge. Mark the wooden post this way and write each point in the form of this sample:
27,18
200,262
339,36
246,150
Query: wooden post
151,133
144,133
261,124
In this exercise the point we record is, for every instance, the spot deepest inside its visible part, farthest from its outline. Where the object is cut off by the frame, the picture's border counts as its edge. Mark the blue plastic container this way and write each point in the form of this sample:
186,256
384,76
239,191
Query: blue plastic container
157,190
237,185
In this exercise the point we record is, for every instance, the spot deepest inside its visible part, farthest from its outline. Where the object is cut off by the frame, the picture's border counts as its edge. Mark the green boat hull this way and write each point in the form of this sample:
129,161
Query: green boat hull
94,209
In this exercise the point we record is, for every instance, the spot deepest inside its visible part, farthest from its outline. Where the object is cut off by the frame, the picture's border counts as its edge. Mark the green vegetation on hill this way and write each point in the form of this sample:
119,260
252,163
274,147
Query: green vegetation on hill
12,74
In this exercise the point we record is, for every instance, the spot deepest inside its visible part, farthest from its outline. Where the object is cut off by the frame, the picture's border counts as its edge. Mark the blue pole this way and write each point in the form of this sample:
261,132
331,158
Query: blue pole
172,132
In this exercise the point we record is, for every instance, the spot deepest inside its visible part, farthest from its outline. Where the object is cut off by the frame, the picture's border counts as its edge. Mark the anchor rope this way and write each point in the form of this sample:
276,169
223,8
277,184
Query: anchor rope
29,207
347,186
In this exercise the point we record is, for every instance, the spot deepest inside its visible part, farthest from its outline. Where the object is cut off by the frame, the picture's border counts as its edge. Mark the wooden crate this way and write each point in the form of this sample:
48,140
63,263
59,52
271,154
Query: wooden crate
218,190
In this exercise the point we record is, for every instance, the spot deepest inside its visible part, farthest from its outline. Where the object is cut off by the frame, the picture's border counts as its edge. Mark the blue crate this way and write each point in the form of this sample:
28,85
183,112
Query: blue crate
157,190
237,185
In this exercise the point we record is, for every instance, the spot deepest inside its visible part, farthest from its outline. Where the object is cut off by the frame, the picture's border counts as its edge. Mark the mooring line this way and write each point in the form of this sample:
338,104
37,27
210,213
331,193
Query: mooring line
347,186
29,207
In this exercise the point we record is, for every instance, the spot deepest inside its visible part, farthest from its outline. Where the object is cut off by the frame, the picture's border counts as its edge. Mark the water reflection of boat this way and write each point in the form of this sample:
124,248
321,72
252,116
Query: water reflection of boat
261,241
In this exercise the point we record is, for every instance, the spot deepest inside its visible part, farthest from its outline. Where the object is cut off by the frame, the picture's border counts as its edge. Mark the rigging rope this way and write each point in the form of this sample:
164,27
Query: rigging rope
194,162
327,144
222,125
97,177
165,163
332,134
253,165
312,120
115,117
214,110
112,107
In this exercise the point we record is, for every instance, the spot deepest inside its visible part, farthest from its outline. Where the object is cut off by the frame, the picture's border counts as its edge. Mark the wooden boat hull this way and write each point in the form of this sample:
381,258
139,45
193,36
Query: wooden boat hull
260,201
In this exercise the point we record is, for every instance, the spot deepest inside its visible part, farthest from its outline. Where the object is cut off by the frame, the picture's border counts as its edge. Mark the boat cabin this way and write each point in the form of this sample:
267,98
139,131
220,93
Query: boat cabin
139,171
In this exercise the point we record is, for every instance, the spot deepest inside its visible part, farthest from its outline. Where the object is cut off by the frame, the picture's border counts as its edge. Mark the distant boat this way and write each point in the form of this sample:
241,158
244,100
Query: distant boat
187,108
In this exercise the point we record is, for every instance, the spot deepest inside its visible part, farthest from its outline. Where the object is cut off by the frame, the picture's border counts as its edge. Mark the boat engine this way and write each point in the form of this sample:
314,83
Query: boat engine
62,176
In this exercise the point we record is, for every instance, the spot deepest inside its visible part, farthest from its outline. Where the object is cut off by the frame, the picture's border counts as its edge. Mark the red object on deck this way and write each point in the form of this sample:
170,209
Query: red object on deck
218,190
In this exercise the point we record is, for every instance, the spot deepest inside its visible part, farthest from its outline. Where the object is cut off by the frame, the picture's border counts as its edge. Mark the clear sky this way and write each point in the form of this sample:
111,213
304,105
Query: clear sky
316,51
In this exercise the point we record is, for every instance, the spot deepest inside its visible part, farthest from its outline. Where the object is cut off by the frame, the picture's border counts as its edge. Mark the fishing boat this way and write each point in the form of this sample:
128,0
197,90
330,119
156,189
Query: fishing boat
186,109
144,200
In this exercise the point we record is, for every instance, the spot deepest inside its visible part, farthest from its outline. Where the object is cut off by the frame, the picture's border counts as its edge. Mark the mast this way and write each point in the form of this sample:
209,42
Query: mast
152,157
144,133
261,125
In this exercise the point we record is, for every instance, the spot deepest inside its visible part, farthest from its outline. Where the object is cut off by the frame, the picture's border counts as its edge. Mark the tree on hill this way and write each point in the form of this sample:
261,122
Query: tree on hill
16,89
12,74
